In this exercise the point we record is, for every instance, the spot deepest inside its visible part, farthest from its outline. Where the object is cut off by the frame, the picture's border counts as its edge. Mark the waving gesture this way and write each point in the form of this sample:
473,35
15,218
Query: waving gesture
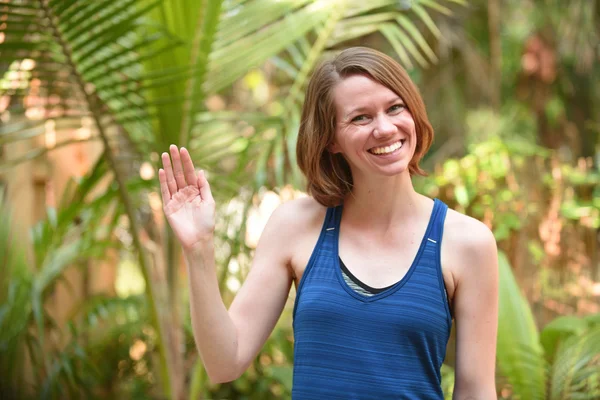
187,200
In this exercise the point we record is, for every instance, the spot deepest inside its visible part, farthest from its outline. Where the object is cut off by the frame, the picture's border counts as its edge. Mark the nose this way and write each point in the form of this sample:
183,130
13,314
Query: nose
384,127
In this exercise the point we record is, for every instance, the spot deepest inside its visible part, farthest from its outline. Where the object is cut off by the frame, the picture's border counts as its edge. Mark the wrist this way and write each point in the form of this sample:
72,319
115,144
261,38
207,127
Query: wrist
201,246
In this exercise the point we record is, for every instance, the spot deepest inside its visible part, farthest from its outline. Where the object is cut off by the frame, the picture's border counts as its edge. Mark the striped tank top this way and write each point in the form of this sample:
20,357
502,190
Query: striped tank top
390,345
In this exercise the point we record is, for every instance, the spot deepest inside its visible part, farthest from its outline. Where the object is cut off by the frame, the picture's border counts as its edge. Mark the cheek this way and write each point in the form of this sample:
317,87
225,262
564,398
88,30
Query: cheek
413,124
337,146
345,137
405,119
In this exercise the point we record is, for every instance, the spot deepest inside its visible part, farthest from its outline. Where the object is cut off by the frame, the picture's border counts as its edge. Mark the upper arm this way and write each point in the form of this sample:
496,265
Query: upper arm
260,301
475,309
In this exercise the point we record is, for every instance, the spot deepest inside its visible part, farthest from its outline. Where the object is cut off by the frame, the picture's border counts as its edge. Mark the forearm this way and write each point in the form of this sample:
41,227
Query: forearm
214,331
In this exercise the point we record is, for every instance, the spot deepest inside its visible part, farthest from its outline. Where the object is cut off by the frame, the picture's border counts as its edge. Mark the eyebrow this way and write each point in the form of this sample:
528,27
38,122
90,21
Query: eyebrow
363,109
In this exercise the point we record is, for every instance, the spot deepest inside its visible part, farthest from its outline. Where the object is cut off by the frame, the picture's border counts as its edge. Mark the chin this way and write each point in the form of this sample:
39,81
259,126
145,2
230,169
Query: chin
392,170
397,172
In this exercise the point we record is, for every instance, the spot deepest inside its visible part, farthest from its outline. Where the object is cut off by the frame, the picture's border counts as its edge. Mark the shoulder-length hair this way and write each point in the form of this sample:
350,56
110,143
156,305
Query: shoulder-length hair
328,174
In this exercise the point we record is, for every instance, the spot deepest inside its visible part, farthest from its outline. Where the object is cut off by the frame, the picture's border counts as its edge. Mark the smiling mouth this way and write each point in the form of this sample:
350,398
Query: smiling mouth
387,149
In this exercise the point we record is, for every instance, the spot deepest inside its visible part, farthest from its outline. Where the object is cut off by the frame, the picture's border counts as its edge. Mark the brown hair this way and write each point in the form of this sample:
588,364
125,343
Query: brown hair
328,174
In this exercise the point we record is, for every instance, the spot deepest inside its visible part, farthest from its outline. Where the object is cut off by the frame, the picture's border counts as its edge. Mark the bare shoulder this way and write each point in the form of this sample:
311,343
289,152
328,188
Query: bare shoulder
472,243
294,230
467,232
298,215
293,222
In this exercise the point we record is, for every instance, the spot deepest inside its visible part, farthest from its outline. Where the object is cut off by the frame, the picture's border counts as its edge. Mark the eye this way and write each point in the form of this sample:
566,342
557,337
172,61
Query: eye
396,108
359,118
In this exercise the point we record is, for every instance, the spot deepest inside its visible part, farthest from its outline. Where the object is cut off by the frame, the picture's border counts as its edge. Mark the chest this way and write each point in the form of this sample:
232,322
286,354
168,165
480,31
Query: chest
380,261
375,263
413,306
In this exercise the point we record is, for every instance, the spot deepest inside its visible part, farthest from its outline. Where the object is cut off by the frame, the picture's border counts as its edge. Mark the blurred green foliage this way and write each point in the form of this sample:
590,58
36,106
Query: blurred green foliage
517,146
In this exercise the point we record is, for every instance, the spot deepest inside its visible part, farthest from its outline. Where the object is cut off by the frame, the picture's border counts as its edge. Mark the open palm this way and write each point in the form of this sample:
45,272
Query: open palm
187,200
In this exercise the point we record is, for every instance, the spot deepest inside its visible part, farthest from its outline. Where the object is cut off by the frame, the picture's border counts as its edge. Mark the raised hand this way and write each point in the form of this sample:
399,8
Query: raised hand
187,199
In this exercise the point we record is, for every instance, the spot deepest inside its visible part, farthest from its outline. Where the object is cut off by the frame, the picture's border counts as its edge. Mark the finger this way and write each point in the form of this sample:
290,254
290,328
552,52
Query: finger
177,168
204,187
188,166
171,184
164,188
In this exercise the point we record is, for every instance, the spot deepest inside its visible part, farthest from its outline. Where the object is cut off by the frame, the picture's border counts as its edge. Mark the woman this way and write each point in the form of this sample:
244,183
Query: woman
380,270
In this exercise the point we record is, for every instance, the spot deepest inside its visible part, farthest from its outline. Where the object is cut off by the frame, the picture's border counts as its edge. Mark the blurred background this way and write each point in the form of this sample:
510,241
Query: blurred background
93,289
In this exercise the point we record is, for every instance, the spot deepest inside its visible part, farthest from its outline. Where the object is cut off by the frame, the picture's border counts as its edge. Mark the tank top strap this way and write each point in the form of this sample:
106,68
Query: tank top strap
336,217
324,249
331,224
437,226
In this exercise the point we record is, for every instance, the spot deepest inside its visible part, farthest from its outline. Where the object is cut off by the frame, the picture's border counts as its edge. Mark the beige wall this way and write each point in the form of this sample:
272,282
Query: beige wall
34,185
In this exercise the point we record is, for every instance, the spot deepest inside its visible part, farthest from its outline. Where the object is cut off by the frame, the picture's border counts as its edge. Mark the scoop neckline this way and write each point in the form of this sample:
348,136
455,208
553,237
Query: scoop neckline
394,287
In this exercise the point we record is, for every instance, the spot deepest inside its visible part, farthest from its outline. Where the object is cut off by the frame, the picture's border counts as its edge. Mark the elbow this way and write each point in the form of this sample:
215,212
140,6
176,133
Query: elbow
222,376
221,367
475,392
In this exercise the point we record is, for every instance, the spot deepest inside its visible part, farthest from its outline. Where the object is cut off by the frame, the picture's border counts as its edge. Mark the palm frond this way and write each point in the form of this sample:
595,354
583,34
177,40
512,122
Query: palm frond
102,309
15,287
345,21
96,50
94,326
255,48
576,370
519,353
559,330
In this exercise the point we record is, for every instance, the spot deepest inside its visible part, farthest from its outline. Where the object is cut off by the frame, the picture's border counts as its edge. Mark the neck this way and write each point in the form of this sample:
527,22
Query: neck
383,202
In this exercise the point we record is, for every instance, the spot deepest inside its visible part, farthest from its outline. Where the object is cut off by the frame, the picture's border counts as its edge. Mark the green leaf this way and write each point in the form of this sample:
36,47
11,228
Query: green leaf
387,30
576,369
123,65
126,54
560,329
198,380
408,44
312,56
230,61
592,320
296,54
363,25
519,353
71,12
284,66
103,10
195,86
424,16
61,6
417,37
434,5
244,22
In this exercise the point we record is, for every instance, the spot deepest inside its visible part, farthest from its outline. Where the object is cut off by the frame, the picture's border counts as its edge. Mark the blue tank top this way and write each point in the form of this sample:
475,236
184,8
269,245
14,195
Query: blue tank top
387,346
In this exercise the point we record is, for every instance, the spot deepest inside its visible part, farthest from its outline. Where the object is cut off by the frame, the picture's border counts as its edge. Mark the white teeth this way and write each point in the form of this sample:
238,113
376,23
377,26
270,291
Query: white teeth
386,149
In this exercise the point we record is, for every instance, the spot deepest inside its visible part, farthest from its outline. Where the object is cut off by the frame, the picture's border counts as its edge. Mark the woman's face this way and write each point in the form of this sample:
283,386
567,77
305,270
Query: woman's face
375,131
